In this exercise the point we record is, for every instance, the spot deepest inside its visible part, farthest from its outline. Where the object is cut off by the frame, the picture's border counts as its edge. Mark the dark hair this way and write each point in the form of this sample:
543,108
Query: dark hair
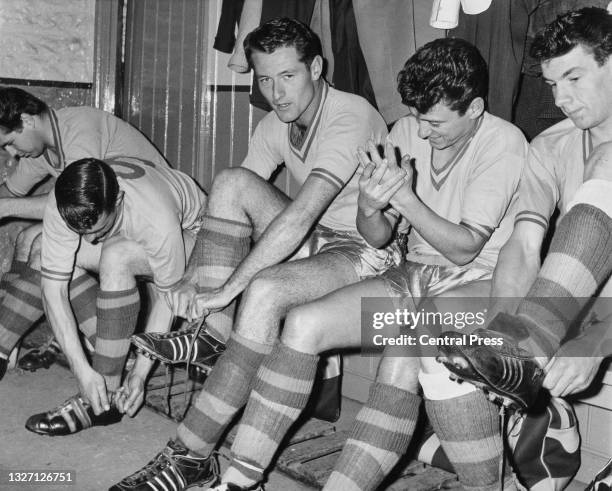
283,32
589,27
84,191
447,70
13,103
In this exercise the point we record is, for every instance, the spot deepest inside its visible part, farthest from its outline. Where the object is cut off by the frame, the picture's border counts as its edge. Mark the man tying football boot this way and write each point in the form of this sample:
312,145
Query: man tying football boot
98,219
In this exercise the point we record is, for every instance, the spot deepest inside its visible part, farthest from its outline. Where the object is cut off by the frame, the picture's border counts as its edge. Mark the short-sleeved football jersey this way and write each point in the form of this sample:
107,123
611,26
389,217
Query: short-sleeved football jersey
158,204
478,189
82,132
553,172
342,123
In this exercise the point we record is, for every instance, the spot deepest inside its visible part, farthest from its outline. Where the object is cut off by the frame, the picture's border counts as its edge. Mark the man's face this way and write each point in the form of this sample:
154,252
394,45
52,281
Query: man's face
582,89
287,83
24,142
100,231
444,127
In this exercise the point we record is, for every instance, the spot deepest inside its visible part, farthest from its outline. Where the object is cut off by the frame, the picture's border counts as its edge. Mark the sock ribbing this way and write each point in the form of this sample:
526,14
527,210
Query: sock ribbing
21,307
220,247
281,391
380,436
579,260
468,428
117,313
224,393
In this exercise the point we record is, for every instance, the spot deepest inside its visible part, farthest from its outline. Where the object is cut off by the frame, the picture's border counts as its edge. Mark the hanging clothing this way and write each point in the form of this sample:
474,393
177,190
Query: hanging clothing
499,33
405,27
350,70
249,20
225,39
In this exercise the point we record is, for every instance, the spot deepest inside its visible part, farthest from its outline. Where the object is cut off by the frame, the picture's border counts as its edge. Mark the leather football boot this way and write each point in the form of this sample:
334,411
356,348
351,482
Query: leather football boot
495,363
41,357
70,417
172,468
174,347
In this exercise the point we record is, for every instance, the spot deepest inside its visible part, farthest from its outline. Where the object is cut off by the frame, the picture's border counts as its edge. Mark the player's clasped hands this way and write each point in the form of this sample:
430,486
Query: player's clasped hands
381,176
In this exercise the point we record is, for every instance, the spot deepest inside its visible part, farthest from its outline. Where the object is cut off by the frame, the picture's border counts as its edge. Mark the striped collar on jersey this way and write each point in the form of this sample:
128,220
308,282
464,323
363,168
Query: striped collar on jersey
439,176
301,151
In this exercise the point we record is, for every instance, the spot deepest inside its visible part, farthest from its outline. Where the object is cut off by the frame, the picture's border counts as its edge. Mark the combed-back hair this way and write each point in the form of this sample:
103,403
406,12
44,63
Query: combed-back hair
589,27
447,70
283,32
13,103
84,191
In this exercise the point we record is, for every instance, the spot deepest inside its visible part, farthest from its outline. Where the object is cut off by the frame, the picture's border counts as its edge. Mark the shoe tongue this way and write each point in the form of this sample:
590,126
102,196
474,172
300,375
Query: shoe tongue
177,447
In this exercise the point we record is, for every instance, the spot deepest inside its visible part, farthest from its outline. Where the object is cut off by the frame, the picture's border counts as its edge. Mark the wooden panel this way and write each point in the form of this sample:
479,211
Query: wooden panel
165,49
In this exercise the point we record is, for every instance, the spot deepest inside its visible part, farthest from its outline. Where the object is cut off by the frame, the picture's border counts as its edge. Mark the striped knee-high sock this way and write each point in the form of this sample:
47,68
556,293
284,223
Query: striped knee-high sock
280,393
578,262
468,428
17,269
83,298
380,435
117,313
21,307
220,247
224,393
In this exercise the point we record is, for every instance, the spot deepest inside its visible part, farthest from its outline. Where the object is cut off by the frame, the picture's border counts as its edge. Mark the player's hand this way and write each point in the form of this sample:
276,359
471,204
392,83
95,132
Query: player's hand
209,301
180,298
93,389
130,395
380,178
567,373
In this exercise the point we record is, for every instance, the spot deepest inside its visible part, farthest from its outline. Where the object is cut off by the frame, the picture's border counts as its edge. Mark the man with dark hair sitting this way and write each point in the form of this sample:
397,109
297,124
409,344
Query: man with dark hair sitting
123,219
569,167
315,130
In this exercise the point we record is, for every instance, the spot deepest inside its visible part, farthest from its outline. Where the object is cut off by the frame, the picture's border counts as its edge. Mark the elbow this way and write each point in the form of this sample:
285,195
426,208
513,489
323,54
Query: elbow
463,259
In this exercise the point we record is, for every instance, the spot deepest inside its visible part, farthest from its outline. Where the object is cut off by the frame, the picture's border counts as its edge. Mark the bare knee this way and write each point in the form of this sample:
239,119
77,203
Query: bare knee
399,371
304,330
229,186
34,256
117,266
25,241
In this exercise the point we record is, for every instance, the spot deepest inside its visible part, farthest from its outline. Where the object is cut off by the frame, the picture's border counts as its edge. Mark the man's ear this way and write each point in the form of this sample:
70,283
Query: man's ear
27,120
316,68
476,108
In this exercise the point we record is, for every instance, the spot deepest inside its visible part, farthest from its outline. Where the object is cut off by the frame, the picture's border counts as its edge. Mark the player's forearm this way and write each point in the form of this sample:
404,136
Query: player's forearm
279,241
375,228
31,207
455,242
62,321
515,271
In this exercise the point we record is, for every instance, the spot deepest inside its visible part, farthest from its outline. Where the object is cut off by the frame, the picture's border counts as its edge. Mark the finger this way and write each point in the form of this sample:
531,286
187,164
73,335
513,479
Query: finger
94,400
390,154
362,157
131,403
394,187
372,148
104,403
380,171
136,405
406,162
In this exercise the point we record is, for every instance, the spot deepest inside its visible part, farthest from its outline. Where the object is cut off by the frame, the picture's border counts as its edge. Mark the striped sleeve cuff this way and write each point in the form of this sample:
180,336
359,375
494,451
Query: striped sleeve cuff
328,176
532,216
482,230
55,275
